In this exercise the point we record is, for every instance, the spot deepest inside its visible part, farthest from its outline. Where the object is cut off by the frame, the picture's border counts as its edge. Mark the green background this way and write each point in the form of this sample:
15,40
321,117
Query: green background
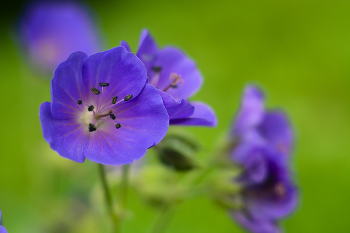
297,51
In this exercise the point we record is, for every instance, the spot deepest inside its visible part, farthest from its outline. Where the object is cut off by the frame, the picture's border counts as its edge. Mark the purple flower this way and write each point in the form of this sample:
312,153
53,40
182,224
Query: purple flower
177,78
2,228
102,109
263,143
50,31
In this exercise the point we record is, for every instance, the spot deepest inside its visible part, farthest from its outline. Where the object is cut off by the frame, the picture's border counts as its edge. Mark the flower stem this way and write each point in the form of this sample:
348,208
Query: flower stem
124,186
164,218
108,198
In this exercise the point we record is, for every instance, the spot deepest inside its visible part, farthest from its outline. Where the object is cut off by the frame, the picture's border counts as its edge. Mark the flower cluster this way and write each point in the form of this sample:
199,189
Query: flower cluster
263,143
50,31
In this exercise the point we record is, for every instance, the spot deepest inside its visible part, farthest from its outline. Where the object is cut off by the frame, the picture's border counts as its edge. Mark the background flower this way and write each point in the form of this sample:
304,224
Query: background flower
49,31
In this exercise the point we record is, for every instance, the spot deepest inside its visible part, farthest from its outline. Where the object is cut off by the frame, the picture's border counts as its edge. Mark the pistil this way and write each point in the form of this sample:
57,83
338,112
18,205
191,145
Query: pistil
175,79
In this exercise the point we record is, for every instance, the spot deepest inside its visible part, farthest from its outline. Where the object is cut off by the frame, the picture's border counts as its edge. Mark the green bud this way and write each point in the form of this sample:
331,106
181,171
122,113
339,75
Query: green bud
177,151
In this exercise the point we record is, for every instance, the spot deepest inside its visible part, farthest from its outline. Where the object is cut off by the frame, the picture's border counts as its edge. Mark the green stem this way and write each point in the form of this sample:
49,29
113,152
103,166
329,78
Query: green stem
124,186
108,198
164,218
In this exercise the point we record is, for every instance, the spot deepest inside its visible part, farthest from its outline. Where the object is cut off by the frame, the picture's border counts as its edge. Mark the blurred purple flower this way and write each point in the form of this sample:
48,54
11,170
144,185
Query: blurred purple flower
263,143
102,109
2,228
50,31
177,78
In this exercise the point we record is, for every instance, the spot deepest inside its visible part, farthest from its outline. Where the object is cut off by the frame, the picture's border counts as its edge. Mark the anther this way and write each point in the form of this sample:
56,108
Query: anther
114,99
128,97
103,84
112,116
91,107
118,125
156,68
95,91
92,127
280,189
80,102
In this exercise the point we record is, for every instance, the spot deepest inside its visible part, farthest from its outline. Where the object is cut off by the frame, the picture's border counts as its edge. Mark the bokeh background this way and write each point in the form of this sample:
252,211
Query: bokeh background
297,51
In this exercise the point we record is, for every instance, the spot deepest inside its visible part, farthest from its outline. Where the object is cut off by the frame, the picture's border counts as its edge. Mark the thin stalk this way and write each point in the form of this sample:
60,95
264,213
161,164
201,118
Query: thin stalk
108,198
124,186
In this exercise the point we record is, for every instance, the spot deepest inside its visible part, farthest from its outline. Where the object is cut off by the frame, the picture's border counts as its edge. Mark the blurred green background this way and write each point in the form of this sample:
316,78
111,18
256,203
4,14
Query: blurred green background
297,51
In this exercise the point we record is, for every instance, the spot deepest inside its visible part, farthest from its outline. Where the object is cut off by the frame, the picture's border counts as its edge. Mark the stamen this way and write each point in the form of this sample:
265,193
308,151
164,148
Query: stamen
114,99
112,116
95,91
175,79
91,108
128,97
104,115
280,189
118,125
156,68
103,84
80,101
92,127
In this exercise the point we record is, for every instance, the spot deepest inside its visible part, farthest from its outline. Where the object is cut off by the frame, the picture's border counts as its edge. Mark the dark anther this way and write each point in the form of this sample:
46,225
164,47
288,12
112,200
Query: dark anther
103,84
112,116
114,99
92,127
174,86
156,68
128,97
80,102
95,91
91,107
118,125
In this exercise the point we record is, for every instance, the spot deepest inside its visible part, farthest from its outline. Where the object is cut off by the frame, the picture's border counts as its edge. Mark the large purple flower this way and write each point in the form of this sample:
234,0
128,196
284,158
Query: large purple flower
50,31
102,109
2,228
263,143
177,78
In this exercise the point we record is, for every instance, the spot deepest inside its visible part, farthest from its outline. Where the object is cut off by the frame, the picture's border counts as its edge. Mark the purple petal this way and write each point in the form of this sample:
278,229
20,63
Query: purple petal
255,168
144,122
173,60
124,72
203,115
125,45
147,51
3,229
176,109
252,110
276,129
66,86
66,136
256,225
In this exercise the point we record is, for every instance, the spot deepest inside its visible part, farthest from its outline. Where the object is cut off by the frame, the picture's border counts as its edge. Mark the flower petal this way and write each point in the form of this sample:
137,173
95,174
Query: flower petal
276,129
3,229
124,72
203,115
65,136
66,86
173,60
252,110
176,109
144,122
147,51
125,45
256,225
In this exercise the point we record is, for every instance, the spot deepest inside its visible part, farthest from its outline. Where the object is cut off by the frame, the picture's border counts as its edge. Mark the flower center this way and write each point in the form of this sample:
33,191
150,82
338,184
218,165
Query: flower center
93,117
